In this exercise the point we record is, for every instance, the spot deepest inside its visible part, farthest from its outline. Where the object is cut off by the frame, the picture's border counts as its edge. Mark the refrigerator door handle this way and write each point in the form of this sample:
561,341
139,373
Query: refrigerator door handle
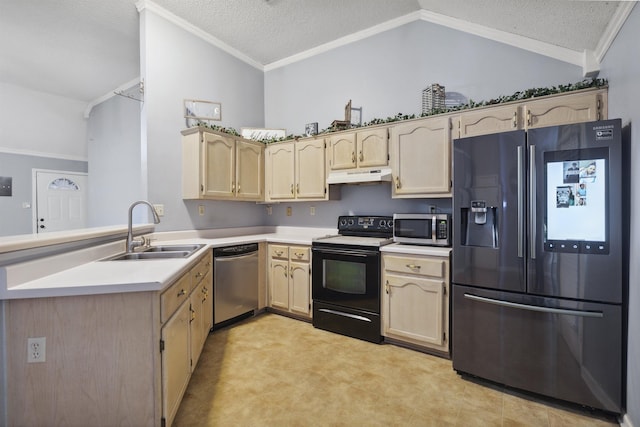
580,313
532,201
520,219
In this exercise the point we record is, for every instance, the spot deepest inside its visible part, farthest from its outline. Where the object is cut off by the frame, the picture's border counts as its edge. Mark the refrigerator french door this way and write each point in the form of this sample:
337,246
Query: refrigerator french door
537,263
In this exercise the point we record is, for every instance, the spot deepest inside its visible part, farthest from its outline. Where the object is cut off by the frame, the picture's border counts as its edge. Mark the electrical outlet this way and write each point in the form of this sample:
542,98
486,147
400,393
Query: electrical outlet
36,350
201,210
289,212
269,210
159,209
312,210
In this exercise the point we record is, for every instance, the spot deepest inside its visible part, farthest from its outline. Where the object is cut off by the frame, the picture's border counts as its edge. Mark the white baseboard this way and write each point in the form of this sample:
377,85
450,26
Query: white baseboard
626,421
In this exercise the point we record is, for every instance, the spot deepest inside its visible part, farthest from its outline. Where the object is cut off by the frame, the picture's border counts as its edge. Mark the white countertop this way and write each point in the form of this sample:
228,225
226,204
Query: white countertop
401,248
82,272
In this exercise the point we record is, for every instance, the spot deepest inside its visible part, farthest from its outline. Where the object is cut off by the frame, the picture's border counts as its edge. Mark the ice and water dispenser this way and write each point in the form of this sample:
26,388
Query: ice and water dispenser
479,224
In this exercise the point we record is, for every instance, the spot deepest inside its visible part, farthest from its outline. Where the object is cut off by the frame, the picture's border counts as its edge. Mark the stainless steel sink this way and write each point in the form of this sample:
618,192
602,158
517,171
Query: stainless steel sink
172,248
157,252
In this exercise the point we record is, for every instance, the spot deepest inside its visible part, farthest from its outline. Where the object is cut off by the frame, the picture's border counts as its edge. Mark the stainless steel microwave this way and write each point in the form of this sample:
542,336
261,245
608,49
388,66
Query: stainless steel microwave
422,229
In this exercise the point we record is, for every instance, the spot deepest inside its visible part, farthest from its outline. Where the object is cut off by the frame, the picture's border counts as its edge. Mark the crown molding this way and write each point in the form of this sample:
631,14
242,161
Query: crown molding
521,42
108,95
187,26
342,41
619,17
42,154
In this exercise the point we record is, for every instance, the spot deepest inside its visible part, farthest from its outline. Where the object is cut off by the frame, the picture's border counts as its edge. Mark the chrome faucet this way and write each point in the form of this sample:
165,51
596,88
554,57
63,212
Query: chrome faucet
132,243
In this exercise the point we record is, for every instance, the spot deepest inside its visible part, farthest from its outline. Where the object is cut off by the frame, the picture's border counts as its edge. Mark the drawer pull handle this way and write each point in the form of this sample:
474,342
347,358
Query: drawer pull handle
413,266
299,254
279,253
386,286
182,292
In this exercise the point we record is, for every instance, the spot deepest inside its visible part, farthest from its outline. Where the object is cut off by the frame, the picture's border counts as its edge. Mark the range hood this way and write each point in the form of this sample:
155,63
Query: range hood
359,176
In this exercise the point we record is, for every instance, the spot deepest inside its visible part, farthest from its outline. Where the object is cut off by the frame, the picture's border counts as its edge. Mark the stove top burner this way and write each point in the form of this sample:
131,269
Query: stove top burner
360,230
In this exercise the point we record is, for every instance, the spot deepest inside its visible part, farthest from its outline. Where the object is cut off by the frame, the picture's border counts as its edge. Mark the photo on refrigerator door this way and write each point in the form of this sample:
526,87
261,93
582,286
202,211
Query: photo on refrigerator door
576,203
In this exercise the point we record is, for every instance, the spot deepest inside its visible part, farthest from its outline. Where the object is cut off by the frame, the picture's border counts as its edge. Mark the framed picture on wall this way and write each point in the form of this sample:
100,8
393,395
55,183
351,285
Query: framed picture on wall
201,111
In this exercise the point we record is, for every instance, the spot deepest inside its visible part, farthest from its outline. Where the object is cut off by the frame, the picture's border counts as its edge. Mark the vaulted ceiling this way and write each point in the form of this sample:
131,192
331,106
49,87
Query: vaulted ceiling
84,49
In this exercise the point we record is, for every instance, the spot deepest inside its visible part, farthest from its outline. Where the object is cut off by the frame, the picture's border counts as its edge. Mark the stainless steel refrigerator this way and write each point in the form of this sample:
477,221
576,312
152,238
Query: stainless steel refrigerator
538,261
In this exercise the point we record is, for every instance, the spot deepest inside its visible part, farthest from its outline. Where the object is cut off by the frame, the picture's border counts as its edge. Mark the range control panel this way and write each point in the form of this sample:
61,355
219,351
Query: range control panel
357,225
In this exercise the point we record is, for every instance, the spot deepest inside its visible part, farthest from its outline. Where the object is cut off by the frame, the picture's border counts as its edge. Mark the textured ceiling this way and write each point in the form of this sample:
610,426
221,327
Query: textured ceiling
84,49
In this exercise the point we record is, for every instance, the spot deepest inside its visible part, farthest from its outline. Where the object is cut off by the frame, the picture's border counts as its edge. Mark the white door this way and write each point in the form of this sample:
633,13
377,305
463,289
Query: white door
61,201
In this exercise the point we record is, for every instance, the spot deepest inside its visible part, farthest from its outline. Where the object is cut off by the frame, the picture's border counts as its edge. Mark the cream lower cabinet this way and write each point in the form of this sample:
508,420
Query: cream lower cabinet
420,153
415,300
216,165
290,279
186,310
296,170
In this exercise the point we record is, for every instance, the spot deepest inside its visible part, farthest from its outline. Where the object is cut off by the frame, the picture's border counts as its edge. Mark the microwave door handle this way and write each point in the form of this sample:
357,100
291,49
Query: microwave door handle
433,228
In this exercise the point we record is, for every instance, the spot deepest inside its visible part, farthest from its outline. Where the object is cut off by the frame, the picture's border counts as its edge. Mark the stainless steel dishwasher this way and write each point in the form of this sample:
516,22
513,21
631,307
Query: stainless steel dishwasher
235,282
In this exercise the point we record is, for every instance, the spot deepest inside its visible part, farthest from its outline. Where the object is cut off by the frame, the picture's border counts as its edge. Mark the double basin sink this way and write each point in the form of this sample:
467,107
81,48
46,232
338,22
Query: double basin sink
157,252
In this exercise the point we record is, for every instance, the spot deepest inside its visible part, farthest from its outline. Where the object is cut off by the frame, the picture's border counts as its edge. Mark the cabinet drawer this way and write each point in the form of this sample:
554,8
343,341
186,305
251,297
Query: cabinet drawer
423,266
278,251
297,253
201,269
173,297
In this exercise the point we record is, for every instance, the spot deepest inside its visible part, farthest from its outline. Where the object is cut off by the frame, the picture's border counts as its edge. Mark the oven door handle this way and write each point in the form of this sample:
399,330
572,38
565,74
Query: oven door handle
346,252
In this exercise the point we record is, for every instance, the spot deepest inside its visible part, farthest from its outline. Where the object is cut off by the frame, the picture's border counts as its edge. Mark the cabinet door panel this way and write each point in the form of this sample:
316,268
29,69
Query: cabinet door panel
310,169
280,171
489,120
572,108
373,148
219,159
279,284
414,308
176,361
422,158
299,282
249,170
342,151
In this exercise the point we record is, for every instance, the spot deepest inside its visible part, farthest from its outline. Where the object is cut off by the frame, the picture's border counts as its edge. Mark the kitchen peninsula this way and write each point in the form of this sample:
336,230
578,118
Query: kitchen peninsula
106,321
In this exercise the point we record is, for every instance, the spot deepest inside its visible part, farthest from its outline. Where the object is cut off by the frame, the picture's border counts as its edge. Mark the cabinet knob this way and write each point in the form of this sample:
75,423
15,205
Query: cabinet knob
182,292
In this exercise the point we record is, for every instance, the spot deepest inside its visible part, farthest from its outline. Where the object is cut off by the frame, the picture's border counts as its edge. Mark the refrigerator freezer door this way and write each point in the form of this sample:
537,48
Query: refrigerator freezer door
563,349
489,211
575,212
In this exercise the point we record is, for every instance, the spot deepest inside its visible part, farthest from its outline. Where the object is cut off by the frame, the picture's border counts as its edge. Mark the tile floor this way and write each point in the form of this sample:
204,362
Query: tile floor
275,371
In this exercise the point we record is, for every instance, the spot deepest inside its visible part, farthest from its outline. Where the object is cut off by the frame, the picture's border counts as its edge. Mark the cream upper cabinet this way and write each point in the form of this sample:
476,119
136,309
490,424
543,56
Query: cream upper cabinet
489,120
296,170
219,166
415,300
421,158
359,149
289,279
581,106
310,169
342,151
373,147
279,171
573,107
249,182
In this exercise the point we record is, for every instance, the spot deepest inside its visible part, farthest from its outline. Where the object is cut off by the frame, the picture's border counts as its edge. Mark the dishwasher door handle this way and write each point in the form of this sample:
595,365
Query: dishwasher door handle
234,257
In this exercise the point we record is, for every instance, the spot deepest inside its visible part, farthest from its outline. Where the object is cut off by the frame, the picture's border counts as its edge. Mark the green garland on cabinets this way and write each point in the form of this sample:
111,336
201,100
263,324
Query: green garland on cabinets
518,96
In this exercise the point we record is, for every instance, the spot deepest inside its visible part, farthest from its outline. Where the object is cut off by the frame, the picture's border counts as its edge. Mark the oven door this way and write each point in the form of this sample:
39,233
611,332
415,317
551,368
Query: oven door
347,277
